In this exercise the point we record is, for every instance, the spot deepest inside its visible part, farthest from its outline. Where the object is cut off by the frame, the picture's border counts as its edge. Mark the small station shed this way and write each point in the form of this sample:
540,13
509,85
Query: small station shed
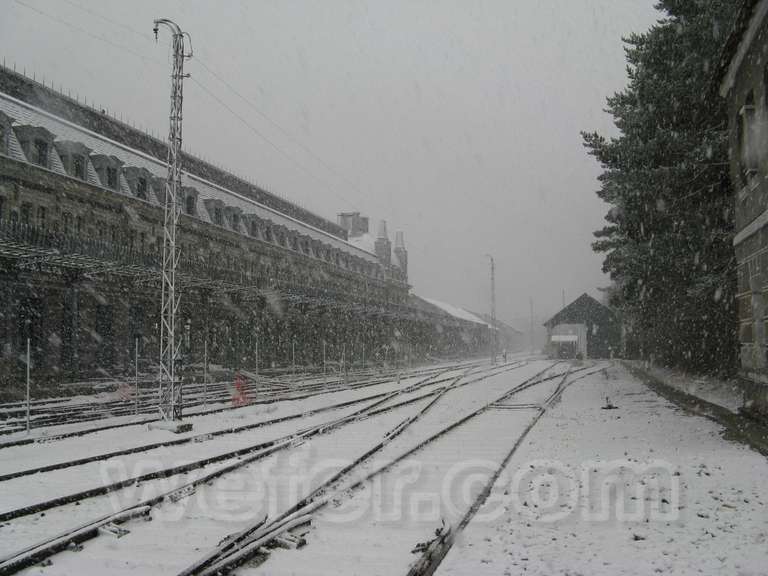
585,328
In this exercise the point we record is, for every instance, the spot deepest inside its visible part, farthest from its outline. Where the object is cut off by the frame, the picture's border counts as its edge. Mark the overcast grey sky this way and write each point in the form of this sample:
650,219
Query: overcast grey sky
456,121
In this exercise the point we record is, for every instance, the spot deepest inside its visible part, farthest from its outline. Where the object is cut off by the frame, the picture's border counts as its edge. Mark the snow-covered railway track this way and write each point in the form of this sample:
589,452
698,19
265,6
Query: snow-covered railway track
224,404
62,411
433,380
435,551
214,446
33,553
238,548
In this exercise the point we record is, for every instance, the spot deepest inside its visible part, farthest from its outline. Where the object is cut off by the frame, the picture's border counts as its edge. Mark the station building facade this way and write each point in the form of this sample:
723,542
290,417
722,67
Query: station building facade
81,200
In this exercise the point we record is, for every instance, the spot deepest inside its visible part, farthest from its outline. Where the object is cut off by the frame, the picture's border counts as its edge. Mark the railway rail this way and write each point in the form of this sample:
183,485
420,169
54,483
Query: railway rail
251,541
437,550
197,437
35,553
219,396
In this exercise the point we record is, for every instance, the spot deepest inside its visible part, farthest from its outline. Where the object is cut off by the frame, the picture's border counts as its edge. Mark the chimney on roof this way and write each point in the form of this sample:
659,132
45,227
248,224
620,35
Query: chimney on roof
401,254
383,246
381,231
353,223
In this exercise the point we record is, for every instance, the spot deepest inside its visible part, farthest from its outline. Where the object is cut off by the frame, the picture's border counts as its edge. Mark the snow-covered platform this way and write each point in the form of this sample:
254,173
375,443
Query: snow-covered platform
645,489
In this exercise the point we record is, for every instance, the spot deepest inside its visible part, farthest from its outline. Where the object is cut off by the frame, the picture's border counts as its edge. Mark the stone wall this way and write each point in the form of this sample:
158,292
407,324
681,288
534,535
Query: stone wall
747,105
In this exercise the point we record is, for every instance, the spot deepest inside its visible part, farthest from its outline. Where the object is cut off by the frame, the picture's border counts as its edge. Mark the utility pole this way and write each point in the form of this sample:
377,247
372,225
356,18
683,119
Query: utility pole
492,338
205,371
532,325
136,373
170,386
29,361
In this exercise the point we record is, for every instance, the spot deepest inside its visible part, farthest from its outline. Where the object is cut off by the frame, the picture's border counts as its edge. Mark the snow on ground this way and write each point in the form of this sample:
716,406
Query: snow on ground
31,489
30,456
44,432
725,393
183,531
643,489
28,490
373,529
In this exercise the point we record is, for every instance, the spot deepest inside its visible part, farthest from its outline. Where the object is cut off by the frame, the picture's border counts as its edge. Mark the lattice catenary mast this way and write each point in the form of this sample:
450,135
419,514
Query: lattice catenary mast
170,385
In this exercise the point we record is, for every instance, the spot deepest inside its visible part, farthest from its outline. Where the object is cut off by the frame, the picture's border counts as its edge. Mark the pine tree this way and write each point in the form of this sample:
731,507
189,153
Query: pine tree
668,238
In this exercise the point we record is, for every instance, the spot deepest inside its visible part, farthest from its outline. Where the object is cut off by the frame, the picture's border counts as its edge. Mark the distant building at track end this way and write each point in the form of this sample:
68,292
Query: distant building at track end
584,329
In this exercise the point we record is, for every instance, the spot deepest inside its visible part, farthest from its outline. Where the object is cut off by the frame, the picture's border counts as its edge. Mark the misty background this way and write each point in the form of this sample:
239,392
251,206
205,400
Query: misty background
458,122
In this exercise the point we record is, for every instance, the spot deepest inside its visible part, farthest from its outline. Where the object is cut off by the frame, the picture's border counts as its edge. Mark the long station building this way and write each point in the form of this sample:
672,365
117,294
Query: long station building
264,281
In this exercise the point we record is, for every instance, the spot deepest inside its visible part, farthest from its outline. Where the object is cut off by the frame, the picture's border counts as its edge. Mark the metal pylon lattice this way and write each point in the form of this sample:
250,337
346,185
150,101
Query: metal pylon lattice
170,384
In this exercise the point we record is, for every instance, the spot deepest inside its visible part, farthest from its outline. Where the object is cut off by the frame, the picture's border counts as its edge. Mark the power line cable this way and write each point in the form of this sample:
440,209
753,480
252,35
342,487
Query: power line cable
250,104
266,139
89,33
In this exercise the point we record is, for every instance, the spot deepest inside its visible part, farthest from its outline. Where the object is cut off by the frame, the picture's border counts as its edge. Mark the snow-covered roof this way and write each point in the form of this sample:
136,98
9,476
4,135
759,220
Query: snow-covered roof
456,312
64,130
364,242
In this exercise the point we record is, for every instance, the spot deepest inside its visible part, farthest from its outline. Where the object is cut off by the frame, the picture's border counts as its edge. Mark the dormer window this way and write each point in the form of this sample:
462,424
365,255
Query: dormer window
254,228
36,143
189,205
40,155
141,188
108,170
218,216
74,157
235,220
112,177
78,166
